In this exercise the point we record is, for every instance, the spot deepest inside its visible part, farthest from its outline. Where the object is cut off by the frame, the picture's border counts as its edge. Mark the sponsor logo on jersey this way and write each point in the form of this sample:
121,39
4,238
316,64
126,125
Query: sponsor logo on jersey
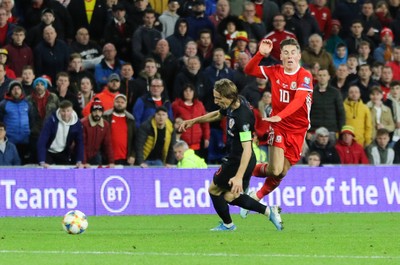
246,127
306,83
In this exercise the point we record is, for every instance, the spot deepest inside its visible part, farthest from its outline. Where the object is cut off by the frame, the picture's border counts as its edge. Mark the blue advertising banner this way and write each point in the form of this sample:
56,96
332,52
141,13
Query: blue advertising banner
155,191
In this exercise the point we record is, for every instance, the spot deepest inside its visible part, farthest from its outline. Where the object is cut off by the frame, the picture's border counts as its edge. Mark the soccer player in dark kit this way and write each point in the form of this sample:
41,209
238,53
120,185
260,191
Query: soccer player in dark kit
233,177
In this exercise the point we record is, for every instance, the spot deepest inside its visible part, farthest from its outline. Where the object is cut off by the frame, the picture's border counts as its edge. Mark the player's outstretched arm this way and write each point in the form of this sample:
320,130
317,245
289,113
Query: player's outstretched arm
209,117
252,68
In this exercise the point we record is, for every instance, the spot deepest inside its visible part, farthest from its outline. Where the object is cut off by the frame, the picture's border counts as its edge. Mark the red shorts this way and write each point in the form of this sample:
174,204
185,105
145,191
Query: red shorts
290,142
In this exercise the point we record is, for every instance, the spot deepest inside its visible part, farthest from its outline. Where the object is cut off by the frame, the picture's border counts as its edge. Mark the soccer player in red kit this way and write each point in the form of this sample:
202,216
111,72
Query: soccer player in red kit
291,88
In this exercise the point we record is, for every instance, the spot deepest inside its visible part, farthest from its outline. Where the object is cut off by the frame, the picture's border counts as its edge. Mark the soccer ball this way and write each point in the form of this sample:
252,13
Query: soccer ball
75,222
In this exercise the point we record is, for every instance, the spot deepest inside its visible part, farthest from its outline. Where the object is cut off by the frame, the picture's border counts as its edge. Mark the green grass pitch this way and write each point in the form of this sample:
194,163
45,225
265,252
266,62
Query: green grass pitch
353,238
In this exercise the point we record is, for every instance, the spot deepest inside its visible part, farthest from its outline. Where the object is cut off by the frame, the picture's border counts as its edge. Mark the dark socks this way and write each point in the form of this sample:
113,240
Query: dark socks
222,208
246,202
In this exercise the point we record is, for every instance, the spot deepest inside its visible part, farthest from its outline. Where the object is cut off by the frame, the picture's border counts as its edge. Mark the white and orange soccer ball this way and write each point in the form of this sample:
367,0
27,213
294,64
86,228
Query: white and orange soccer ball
75,222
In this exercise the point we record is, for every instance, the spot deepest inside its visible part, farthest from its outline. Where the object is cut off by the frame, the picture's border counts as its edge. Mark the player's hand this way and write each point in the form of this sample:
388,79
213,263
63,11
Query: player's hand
186,125
265,47
236,185
273,119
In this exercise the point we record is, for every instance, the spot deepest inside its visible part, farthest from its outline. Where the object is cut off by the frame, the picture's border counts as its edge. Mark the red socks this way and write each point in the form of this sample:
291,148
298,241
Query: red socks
259,170
269,185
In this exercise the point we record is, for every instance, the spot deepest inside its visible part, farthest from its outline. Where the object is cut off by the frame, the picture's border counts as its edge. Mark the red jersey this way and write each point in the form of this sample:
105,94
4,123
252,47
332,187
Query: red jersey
291,93
323,16
276,37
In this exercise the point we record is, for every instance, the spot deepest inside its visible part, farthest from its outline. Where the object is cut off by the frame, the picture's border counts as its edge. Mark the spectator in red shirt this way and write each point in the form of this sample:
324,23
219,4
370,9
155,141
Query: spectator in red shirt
350,152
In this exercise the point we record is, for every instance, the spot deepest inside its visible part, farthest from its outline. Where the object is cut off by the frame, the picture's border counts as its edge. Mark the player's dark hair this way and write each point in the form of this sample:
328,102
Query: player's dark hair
226,88
290,41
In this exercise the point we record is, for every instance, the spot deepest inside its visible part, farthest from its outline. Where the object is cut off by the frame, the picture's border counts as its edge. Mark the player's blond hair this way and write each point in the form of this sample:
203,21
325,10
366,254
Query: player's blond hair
226,88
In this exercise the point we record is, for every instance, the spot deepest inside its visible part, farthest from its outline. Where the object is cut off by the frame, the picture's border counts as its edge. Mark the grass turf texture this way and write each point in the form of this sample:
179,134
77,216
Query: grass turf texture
370,238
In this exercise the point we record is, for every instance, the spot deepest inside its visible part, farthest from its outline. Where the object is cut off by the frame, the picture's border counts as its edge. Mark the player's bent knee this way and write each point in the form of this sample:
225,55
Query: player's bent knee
229,196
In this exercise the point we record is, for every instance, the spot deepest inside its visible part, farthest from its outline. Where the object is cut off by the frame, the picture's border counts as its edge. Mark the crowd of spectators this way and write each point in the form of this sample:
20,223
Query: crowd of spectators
105,82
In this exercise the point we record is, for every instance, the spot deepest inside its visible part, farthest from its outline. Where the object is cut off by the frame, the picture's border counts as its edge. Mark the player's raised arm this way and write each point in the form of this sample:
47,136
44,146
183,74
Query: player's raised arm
252,68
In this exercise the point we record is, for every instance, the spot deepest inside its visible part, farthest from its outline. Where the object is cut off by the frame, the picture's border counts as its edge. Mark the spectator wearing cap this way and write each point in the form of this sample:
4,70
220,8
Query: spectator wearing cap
155,140
3,60
119,31
19,53
6,28
43,104
278,34
358,116
35,34
384,52
34,11
108,94
61,138
8,152
92,16
146,106
334,39
51,54
240,46
16,114
323,145
110,64
252,24
123,131
4,81
349,150
169,18
97,137
227,31
198,20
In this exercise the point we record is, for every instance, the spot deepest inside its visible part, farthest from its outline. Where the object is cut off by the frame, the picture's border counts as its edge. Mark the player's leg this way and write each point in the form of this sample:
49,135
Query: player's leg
218,187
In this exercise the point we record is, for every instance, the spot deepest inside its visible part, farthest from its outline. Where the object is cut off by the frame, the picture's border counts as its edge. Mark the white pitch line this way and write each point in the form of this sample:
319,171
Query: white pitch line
193,254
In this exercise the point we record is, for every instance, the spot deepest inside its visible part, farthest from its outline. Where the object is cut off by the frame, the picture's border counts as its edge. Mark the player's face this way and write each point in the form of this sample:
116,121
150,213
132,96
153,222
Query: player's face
290,57
221,101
